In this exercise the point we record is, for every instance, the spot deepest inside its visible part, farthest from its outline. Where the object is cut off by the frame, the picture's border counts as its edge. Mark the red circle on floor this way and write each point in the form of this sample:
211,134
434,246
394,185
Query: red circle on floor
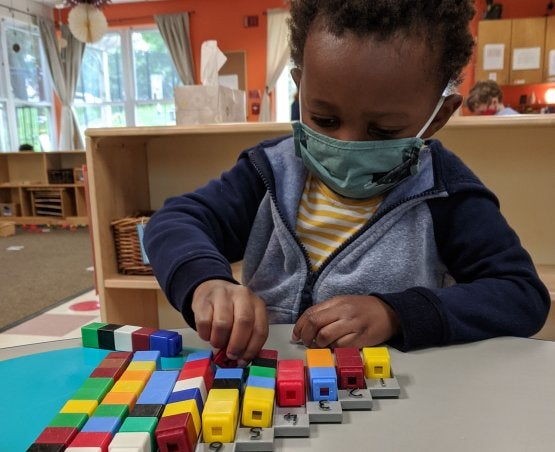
92,305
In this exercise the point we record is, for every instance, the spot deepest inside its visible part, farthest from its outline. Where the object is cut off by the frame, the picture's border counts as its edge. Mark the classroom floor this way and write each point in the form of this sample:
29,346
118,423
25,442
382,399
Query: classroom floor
62,322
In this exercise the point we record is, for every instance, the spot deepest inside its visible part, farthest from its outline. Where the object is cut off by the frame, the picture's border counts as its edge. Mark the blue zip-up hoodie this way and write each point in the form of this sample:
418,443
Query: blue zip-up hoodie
438,250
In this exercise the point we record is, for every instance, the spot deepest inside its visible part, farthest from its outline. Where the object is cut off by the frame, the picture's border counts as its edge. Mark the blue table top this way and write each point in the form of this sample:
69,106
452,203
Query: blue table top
34,389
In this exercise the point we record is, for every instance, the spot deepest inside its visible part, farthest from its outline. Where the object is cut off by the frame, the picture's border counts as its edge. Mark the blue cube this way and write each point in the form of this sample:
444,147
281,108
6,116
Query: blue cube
168,343
323,383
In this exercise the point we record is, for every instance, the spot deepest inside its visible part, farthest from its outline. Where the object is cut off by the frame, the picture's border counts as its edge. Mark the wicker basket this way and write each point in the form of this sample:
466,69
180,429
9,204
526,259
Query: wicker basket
128,248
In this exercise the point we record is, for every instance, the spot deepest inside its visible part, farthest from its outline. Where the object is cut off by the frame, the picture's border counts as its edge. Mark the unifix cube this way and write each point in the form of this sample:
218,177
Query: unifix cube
350,368
376,362
290,384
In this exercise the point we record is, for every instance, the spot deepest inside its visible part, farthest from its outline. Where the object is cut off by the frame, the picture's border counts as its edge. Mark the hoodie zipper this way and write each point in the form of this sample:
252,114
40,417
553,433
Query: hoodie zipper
312,276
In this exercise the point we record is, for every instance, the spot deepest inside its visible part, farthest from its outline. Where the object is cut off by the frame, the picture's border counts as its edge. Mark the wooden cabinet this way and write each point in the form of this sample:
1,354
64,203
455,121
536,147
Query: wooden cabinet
493,51
515,51
40,188
133,170
527,47
136,169
549,58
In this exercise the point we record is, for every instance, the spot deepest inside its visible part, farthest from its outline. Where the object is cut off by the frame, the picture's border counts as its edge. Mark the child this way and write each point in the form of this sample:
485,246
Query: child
354,229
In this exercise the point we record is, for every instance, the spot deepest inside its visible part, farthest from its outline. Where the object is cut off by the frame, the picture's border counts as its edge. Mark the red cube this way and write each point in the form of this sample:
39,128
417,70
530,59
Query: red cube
290,383
350,368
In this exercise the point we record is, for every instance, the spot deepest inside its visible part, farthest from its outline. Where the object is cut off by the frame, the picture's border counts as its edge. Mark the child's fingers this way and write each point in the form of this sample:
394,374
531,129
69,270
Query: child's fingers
249,325
259,334
312,321
222,322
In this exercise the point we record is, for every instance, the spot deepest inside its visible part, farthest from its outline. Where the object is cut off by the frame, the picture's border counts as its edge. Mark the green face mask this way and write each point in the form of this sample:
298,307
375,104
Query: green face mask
359,169
356,169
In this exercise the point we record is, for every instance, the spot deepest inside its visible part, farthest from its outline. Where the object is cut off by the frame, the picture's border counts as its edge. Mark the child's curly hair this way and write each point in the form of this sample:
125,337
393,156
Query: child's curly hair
443,23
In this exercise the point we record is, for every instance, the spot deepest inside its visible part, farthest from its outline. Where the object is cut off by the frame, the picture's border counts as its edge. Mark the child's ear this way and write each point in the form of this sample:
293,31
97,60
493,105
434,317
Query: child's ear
296,74
450,106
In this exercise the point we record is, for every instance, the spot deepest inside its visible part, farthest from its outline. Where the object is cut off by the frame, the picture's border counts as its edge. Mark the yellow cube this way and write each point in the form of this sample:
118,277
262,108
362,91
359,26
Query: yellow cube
80,406
258,405
136,387
142,365
184,406
219,416
377,363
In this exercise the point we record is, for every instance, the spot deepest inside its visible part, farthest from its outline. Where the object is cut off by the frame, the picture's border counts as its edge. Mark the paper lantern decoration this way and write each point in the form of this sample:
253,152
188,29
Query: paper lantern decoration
87,23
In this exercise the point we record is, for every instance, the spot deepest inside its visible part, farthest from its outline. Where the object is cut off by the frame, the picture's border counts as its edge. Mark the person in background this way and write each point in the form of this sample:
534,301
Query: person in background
486,98
359,228
26,147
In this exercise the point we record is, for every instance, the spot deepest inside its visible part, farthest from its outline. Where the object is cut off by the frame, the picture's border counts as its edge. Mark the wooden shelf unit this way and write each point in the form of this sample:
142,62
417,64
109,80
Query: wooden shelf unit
24,179
136,169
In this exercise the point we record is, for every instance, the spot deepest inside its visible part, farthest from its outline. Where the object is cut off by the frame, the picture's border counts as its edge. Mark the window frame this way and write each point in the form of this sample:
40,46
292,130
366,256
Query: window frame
130,101
7,95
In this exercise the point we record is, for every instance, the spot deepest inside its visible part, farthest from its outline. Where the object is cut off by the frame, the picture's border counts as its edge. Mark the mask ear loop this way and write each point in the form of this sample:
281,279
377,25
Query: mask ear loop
449,89
300,106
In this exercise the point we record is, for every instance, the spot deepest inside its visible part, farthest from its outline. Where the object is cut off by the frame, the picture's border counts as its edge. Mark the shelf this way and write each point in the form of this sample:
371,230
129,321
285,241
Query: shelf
131,282
22,173
134,169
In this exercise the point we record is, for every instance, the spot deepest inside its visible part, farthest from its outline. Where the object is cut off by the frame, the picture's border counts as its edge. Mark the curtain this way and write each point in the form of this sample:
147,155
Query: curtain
64,67
174,29
277,56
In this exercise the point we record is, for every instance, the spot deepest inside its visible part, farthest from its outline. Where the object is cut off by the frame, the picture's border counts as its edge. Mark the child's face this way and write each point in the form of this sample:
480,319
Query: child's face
357,88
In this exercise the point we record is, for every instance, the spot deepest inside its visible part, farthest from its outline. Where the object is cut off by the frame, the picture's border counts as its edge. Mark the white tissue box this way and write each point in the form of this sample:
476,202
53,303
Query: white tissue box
199,104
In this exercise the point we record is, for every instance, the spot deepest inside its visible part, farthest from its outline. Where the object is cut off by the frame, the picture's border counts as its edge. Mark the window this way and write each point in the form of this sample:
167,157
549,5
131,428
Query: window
284,93
100,96
26,95
127,79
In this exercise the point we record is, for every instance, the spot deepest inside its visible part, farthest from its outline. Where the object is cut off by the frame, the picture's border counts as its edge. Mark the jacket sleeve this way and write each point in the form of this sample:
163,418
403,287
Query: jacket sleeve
497,291
193,237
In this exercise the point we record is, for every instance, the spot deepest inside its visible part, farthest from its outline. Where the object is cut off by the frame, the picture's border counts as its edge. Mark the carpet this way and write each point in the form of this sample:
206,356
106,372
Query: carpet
41,268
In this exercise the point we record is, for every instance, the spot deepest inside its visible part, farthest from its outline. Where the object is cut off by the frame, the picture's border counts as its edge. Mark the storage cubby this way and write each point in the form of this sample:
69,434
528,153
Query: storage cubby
26,176
136,169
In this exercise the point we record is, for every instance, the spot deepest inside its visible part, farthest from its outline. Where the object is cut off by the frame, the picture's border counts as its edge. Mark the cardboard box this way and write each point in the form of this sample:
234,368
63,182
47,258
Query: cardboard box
7,228
9,209
199,104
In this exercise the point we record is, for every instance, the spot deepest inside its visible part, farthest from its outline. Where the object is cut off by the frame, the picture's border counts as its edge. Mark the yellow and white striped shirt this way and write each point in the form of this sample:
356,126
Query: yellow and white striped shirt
325,219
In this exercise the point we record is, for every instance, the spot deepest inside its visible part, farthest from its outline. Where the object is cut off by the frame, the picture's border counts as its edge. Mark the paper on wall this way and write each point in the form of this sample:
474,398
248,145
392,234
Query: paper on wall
526,58
494,55
551,63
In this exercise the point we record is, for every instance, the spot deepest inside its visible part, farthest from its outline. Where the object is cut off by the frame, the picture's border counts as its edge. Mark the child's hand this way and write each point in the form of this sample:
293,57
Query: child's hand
230,316
346,321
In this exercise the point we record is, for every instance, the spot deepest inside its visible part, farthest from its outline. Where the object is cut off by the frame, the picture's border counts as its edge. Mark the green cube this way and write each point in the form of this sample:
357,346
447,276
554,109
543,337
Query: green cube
261,371
73,420
103,410
89,334
94,389
141,424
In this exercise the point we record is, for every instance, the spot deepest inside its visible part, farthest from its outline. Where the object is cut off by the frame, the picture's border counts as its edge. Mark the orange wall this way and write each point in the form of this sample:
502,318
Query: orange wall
221,20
